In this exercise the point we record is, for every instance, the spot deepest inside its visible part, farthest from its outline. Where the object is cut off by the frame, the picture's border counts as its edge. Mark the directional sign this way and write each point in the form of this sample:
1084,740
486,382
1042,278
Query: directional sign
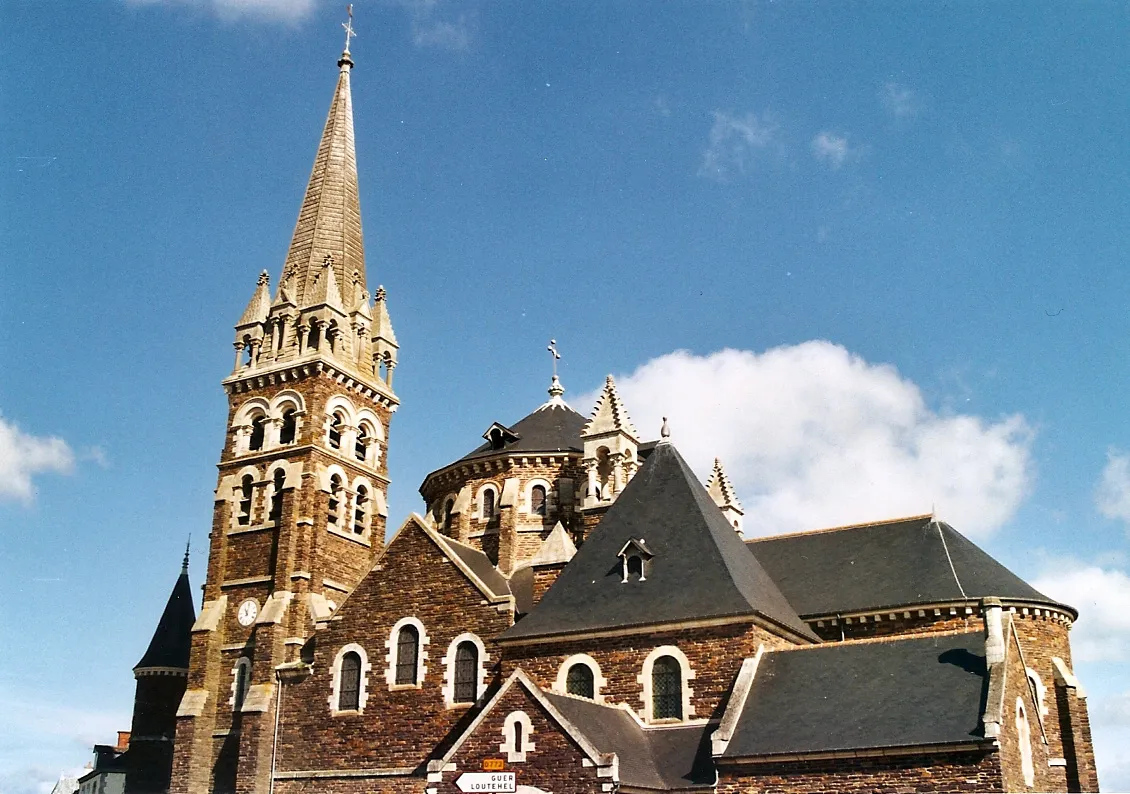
487,782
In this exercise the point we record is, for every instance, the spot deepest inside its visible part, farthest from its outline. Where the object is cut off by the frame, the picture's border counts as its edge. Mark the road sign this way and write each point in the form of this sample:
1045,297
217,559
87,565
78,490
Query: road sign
493,764
503,782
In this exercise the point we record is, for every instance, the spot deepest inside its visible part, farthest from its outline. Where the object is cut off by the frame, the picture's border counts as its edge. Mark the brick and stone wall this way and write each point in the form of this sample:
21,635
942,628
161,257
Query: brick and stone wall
400,724
906,774
715,655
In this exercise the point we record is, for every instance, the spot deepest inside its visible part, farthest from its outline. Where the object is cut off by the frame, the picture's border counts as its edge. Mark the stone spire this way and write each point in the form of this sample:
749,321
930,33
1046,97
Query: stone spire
329,223
722,491
260,304
609,415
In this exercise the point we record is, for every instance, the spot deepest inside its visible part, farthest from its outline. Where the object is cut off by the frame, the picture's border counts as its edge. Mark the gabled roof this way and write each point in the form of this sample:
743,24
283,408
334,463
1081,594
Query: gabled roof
923,690
474,560
886,565
656,758
172,641
701,568
552,428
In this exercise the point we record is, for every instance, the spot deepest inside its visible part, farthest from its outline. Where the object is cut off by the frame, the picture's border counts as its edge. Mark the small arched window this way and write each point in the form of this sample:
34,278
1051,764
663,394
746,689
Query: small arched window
289,426
488,504
448,507
334,505
666,689
349,697
518,728
312,339
258,433
579,681
336,424
361,446
537,500
361,508
245,493
407,655
466,673
277,483
241,683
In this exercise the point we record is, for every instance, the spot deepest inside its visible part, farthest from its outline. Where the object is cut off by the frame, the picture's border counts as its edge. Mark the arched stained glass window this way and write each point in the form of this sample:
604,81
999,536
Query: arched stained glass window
466,673
407,655
537,500
349,692
579,681
666,689
488,503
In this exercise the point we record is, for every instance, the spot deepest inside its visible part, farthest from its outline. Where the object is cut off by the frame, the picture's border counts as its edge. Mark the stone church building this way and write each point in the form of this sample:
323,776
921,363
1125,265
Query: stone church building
572,606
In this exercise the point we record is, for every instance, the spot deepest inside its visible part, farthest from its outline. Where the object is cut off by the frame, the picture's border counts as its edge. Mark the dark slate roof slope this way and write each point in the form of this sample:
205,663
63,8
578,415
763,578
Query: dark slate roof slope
479,564
885,565
172,640
551,428
925,690
701,568
655,758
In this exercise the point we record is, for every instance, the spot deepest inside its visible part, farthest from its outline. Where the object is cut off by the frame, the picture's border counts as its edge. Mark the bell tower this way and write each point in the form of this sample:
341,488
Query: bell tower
300,510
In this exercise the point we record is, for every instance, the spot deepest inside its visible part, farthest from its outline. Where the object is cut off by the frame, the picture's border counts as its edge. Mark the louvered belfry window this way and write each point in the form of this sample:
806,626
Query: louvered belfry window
466,672
666,689
349,697
407,655
579,681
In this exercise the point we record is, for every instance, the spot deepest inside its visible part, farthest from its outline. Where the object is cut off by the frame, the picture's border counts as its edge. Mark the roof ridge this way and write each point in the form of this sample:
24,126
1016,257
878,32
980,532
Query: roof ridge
860,525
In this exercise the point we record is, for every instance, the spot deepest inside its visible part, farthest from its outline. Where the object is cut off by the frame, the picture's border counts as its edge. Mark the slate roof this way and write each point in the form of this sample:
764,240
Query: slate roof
479,564
907,692
551,428
172,640
701,568
885,565
656,758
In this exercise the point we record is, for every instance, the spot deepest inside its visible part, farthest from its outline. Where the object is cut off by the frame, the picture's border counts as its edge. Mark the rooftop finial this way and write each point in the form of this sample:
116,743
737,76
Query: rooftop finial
555,387
187,548
346,60
665,432
553,352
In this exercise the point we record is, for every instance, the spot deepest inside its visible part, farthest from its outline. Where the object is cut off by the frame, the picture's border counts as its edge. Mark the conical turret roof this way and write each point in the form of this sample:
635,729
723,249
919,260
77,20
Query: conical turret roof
172,640
698,567
329,222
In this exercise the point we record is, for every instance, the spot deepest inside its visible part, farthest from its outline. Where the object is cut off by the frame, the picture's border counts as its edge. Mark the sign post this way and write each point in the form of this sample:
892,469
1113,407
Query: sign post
488,782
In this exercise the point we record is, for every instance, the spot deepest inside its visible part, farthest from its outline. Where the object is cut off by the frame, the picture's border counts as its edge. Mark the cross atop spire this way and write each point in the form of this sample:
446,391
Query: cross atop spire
187,549
555,387
348,25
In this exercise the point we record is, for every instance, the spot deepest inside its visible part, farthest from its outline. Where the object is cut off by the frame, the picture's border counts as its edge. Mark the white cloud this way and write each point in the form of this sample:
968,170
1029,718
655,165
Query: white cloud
433,27
23,456
733,140
900,101
813,436
833,149
1112,497
1102,596
289,11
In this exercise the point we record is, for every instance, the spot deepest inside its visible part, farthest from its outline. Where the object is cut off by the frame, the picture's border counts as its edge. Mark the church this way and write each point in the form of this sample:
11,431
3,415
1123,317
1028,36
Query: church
572,610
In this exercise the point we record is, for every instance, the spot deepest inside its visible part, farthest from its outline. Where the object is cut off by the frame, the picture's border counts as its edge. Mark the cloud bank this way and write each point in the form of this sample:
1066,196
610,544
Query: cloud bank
833,149
1102,596
24,456
813,436
1112,497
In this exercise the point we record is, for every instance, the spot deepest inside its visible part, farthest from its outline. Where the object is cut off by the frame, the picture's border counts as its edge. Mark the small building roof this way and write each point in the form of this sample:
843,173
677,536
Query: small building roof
886,565
551,428
923,690
654,758
172,640
700,569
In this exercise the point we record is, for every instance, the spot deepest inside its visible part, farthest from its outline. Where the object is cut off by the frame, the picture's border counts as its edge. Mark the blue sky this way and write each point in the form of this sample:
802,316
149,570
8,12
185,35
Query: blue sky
872,255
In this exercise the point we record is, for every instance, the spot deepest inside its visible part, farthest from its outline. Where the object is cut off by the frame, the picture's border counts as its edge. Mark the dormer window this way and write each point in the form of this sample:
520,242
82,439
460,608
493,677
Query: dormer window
634,560
498,436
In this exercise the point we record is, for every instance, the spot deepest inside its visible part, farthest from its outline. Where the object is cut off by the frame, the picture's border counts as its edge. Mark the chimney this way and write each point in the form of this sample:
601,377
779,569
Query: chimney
123,742
994,631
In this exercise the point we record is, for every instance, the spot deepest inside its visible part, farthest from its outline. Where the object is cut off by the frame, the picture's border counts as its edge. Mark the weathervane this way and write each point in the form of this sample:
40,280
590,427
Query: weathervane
349,33
553,351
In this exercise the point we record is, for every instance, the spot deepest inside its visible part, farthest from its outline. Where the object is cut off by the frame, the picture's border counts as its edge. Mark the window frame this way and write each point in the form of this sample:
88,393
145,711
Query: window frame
646,680
334,698
561,685
517,733
240,672
449,663
392,651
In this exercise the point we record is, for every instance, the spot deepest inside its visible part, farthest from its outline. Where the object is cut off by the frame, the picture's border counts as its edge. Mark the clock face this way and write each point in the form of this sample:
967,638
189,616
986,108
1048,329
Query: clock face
248,611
